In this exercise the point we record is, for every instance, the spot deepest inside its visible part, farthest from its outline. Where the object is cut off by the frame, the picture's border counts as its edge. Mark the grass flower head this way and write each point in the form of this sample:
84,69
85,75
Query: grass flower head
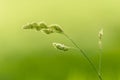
61,46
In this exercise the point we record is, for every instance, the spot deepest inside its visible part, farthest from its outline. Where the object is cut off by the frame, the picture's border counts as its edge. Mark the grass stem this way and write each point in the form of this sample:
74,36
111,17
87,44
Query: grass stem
86,57
100,62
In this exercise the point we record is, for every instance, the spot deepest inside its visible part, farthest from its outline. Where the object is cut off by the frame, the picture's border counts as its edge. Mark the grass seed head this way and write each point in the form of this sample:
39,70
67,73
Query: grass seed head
56,28
61,46
28,26
43,25
100,34
47,31
35,25
100,38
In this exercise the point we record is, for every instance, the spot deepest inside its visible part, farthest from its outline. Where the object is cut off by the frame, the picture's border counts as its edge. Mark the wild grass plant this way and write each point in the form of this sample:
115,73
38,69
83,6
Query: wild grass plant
54,28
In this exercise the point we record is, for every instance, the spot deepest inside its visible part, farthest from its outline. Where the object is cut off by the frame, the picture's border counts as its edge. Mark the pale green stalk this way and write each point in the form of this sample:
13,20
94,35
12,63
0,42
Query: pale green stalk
100,54
100,62
84,54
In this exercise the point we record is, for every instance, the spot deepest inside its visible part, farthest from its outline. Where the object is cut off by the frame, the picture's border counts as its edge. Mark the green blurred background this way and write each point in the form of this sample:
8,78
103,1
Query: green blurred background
29,55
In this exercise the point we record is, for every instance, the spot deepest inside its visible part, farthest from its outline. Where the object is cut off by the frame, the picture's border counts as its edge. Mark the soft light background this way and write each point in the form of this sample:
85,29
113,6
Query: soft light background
29,55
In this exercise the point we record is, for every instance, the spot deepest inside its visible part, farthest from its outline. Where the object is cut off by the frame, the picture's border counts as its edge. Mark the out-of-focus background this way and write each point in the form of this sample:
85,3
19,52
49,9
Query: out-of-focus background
29,55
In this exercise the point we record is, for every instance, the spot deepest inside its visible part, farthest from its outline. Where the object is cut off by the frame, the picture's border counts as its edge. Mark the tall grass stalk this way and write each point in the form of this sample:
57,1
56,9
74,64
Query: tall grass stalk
57,29
86,57
100,34
100,62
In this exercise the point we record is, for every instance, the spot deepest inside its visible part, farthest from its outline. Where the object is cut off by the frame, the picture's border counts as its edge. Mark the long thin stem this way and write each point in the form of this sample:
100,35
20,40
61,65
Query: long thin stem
100,61
84,54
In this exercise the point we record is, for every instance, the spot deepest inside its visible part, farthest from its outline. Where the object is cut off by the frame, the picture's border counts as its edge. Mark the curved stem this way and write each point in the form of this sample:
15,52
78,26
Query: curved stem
84,54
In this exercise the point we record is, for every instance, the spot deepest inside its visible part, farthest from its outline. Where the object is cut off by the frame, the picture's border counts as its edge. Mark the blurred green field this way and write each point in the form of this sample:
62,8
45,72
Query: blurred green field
29,55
